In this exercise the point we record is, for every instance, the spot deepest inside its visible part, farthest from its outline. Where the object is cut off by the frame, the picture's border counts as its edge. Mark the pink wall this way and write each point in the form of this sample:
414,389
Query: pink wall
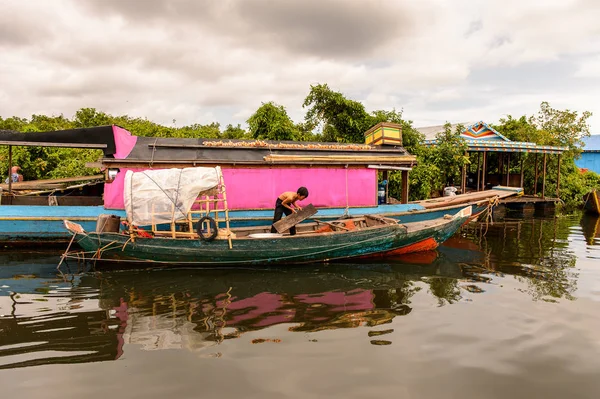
113,192
259,188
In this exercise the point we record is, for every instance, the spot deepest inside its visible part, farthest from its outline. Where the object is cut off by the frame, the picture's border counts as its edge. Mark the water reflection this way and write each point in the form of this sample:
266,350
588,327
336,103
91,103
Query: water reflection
590,224
45,320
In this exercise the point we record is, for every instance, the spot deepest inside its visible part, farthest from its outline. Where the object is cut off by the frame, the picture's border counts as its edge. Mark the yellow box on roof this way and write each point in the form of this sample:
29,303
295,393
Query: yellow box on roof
384,133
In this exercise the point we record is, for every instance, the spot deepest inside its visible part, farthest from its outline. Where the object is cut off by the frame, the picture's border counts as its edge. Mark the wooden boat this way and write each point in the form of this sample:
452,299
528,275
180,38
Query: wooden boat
368,236
153,198
592,202
36,209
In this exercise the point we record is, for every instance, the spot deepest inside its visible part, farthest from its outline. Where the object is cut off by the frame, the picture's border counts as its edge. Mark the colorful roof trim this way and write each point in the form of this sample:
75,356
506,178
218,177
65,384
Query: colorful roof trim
482,137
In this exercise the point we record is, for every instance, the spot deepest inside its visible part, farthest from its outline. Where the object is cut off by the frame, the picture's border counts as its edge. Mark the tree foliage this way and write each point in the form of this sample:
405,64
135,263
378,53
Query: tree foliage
271,122
330,116
557,128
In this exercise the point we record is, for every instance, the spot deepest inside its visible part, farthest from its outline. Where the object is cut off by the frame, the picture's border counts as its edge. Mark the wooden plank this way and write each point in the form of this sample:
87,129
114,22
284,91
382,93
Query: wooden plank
295,218
28,185
52,144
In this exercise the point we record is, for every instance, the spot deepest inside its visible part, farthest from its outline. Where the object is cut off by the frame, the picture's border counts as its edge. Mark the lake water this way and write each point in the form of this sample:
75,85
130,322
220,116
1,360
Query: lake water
504,310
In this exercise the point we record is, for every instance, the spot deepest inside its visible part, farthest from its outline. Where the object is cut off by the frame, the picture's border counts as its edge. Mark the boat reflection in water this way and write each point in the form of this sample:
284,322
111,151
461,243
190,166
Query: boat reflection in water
590,224
45,320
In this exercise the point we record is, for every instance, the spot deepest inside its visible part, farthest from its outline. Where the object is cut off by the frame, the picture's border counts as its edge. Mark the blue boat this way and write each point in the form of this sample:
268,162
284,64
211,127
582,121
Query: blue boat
345,174
22,224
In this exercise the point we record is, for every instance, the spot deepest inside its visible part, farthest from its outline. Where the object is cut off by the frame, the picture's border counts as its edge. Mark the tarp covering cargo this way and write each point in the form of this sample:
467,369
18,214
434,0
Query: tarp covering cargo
165,195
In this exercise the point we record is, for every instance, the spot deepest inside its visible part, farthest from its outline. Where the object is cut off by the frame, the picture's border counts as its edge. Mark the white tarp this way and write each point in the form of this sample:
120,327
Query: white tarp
160,196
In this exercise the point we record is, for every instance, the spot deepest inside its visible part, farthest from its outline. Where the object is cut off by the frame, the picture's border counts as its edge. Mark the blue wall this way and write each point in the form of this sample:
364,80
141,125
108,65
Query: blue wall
589,160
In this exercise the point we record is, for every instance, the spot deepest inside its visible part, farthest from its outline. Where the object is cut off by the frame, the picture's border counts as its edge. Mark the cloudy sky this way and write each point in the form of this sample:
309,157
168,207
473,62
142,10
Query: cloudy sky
198,61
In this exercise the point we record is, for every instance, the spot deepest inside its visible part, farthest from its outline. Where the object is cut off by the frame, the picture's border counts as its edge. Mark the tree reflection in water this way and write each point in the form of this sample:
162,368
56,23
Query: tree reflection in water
45,320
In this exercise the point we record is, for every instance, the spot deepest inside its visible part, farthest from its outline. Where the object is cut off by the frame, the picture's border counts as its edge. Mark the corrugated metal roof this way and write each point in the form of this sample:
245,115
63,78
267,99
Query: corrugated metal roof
151,150
431,131
100,137
592,143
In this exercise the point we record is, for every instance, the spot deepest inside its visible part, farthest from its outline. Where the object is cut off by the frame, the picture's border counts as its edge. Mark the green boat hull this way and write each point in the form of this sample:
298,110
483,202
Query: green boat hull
372,241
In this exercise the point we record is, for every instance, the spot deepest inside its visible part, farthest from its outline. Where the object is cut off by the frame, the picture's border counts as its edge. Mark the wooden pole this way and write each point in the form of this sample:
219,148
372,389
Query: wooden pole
478,170
544,178
536,175
483,171
522,171
10,170
385,177
508,170
558,179
404,196
463,178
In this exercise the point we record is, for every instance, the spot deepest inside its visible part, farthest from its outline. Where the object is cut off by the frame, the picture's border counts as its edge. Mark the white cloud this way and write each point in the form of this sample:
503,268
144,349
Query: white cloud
202,62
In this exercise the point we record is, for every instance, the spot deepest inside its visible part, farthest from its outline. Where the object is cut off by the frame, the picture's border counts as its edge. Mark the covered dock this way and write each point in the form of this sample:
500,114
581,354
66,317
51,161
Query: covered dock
496,160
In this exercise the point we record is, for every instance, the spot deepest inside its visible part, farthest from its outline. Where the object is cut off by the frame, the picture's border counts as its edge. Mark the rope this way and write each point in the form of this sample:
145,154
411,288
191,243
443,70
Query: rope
153,151
492,202
177,195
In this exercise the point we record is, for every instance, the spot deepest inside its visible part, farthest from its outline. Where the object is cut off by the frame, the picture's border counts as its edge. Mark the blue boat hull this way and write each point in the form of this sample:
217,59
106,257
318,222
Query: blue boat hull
44,224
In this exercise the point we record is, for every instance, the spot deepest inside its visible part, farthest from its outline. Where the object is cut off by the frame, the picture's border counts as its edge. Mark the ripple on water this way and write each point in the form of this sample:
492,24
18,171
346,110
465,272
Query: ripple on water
512,308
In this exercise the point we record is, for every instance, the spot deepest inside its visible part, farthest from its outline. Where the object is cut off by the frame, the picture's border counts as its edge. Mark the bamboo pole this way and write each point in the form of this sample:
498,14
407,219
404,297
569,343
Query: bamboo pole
173,234
226,208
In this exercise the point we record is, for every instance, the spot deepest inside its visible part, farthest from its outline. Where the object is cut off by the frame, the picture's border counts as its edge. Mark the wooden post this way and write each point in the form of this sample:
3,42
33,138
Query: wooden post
483,171
10,171
558,179
404,197
508,170
536,175
478,170
500,167
544,178
463,178
522,171
385,177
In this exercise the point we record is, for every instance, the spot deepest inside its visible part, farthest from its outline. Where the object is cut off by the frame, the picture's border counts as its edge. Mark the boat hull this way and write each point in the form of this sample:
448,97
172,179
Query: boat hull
374,241
21,224
592,202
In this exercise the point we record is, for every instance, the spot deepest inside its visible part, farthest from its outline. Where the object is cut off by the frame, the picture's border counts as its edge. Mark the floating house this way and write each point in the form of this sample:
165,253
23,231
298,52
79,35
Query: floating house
590,155
487,143
341,178
257,171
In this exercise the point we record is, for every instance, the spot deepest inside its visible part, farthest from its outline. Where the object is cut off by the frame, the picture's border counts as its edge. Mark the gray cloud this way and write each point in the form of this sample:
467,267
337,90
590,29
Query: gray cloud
325,28
19,29
216,61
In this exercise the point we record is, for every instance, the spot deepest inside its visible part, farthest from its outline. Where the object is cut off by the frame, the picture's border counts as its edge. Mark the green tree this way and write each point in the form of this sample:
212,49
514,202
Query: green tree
558,128
342,120
271,122
234,132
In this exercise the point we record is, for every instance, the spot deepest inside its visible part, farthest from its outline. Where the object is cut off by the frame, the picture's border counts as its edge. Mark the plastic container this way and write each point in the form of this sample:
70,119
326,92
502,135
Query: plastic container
108,223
